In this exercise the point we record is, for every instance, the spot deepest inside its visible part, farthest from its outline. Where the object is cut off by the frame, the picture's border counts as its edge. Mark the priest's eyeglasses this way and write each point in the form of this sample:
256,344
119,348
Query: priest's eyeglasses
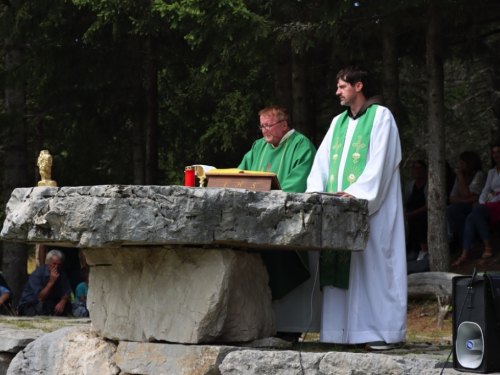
267,127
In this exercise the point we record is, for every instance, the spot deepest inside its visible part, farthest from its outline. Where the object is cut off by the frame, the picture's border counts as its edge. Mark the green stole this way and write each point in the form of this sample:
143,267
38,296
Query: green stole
335,265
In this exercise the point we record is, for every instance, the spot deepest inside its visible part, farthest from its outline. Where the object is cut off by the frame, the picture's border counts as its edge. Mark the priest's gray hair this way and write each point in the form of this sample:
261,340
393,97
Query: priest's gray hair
54,253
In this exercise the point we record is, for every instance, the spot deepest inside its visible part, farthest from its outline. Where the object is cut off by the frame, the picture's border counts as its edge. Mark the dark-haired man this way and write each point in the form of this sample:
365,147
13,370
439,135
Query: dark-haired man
289,154
364,293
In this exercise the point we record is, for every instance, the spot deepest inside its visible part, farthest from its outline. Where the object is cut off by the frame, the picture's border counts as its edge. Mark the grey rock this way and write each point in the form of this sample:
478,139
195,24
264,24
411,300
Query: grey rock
159,359
448,371
182,295
412,365
115,215
255,362
430,284
13,340
339,363
359,364
70,350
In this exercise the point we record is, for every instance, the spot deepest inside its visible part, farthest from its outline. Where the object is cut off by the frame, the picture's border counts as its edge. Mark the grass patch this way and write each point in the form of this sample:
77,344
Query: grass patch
23,324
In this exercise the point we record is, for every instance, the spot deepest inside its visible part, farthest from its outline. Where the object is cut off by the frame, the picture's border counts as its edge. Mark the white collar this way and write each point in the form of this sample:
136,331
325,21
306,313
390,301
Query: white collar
284,137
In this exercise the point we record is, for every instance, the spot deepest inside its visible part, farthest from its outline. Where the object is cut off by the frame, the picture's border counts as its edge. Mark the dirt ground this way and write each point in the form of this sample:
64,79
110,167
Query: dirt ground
482,265
421,324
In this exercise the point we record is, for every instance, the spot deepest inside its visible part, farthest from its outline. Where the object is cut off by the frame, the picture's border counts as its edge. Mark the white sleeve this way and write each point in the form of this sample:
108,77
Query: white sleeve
487,187
318,177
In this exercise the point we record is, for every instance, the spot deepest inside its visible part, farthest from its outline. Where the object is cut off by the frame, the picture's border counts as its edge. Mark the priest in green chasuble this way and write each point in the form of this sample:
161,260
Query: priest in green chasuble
364,293
289,154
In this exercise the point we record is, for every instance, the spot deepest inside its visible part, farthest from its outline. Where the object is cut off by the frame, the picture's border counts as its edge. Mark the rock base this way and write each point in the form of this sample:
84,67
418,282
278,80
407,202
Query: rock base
77,351
69,350
147,358
183,295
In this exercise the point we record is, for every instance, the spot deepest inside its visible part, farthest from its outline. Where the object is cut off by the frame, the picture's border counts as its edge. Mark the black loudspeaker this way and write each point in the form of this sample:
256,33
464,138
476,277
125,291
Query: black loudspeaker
476,325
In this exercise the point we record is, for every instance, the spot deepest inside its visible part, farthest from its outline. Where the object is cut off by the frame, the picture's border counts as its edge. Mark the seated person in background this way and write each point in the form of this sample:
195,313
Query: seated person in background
72,265
80,304
47,291
290,155
450,180
5,297
416,209
486,214
468,186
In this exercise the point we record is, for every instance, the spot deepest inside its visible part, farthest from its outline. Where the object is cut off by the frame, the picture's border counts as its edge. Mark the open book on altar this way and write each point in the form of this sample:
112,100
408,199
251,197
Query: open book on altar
240,179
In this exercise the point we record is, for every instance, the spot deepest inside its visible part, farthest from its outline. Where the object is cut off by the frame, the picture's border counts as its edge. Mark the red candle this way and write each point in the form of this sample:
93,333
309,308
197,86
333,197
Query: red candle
189,176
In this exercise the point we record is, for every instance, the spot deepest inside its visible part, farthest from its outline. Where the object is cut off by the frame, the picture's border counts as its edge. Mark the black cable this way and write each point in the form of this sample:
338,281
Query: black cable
459,315
315,280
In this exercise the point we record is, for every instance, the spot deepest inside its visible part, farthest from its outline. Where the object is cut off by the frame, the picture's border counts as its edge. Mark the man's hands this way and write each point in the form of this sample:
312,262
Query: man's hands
54,274
60,307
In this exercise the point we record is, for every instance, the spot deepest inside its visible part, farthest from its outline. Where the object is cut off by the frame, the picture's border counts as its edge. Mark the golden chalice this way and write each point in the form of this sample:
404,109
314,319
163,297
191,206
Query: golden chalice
200,172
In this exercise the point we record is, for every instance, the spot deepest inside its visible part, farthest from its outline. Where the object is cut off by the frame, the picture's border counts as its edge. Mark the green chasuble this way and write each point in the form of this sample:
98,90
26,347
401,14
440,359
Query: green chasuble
335,265
291,161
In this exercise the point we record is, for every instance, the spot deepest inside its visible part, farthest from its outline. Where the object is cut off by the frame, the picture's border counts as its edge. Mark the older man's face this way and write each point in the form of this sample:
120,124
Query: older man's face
55,263
273,129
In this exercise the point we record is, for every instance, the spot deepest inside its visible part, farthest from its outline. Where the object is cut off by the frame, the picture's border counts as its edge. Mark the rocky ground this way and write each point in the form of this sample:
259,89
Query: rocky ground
426,346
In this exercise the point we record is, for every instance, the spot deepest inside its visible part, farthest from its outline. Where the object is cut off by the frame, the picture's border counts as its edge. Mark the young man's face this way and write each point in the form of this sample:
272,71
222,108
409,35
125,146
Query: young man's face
348,93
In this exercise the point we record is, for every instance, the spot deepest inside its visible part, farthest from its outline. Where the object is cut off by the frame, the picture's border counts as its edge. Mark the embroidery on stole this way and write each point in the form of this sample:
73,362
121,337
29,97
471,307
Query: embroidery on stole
335,265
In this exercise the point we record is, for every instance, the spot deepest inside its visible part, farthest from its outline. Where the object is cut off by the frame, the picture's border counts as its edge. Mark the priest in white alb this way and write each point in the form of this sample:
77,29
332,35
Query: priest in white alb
364,293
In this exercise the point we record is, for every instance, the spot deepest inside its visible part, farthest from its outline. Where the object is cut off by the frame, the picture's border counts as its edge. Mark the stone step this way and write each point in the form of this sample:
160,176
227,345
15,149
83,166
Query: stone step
76,350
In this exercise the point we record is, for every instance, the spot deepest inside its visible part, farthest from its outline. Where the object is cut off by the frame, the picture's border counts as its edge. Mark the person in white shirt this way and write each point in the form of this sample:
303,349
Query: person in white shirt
484,215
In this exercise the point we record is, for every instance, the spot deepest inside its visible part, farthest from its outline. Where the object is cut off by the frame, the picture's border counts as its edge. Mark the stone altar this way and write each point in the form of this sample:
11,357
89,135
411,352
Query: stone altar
181,264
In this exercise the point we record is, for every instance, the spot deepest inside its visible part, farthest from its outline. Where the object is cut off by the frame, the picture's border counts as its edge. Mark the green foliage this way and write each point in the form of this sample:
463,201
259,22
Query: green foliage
84,74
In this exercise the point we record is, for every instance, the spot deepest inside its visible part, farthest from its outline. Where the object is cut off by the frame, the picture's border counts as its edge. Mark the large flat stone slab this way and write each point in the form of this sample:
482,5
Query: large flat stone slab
115,215
12,340
154,359
256,362
183,295
253,362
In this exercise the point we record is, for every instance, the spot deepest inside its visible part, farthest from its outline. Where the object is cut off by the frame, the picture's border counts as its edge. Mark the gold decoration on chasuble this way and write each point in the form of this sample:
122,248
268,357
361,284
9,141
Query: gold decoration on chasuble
357,145
336,148
328,256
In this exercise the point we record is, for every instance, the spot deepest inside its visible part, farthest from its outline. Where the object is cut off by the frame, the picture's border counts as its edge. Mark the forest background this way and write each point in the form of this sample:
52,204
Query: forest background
132,91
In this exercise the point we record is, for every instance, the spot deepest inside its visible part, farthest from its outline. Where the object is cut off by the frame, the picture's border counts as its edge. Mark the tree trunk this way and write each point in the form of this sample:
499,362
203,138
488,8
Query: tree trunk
302,116
437,238
390,68
138,151
15,255
283,76
152,127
